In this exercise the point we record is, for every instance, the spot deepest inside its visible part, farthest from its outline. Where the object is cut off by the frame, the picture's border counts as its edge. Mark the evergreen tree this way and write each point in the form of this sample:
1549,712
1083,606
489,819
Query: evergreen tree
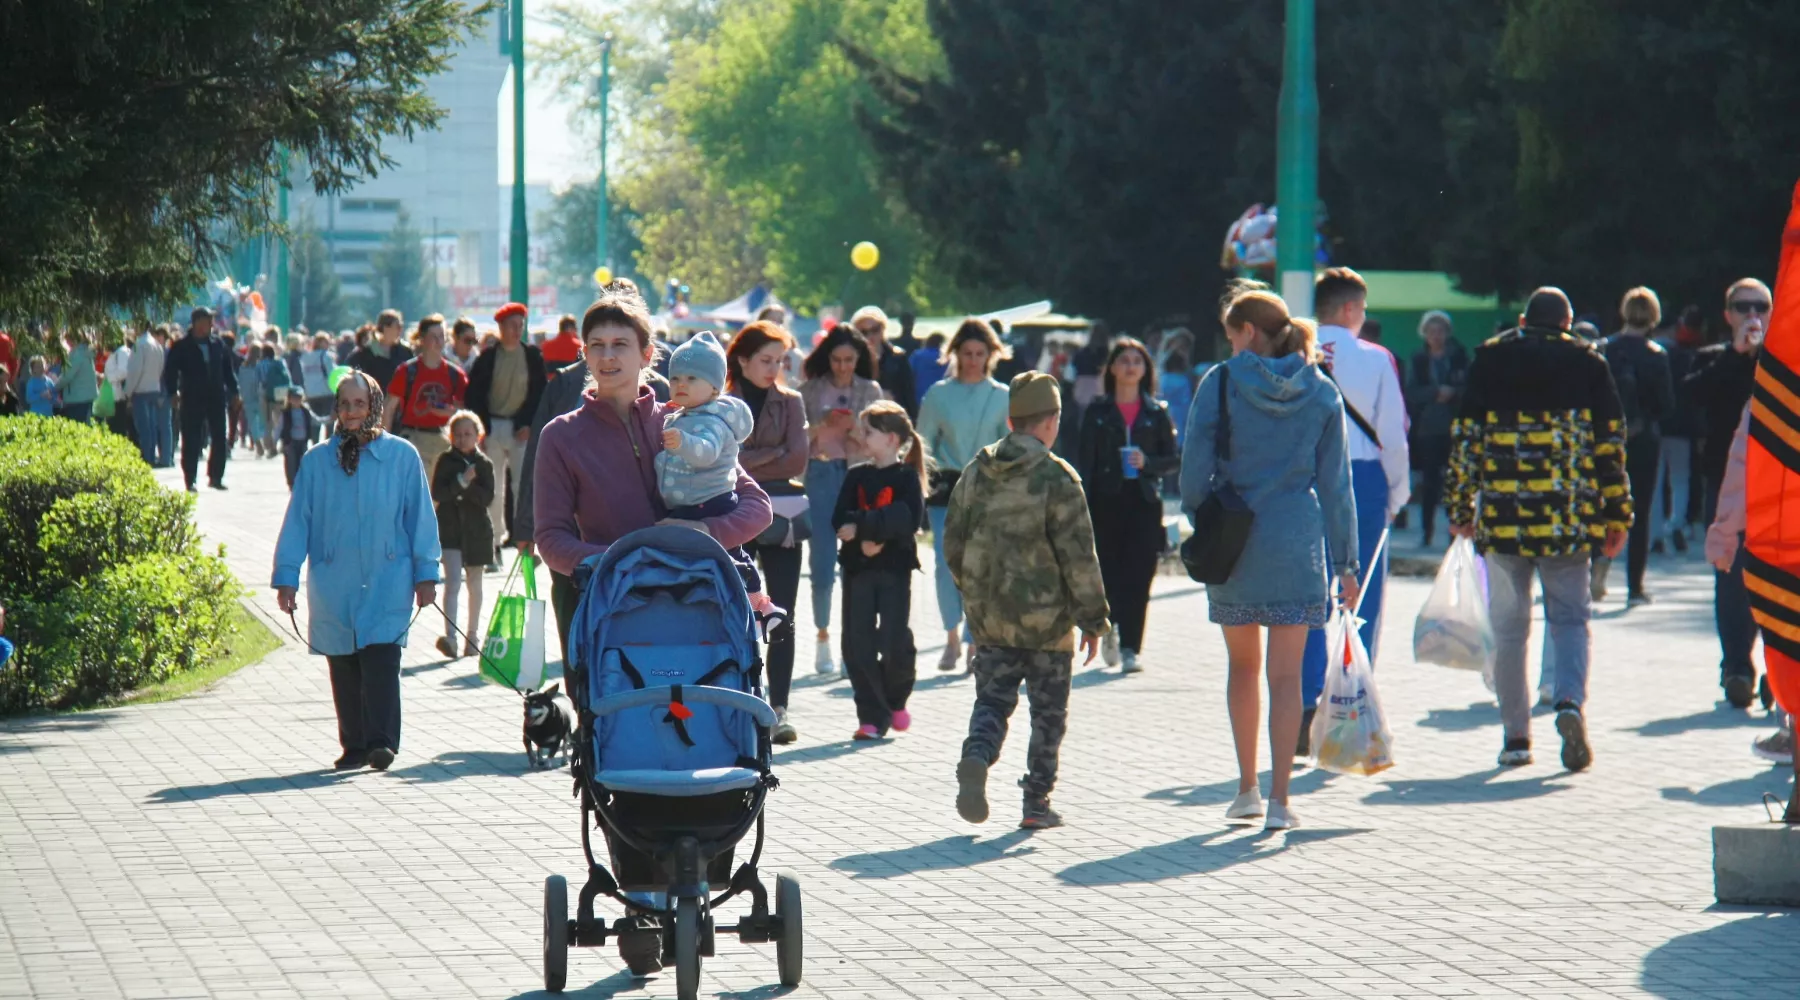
317,294
402,278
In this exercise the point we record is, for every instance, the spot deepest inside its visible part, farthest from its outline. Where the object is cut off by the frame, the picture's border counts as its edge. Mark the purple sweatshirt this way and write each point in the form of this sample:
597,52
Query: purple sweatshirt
595,482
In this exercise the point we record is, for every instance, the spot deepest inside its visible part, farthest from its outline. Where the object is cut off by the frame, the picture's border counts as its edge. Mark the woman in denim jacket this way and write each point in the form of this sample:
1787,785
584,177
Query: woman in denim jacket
361,519
1289,463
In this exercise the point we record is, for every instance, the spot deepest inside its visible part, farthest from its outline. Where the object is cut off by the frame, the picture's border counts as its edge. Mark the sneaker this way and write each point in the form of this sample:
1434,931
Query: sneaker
446,647
1280,817
1636,599
1597,577
901,721
191,489
1516,753
1109,648
1679,540
1546,694
971,789
350,761
641,948
218,484
1248,805
866,733
1128,662
1303,745
952,653
822,662
380,758
1576,754
1038,815
1776,748
1740,690
784,732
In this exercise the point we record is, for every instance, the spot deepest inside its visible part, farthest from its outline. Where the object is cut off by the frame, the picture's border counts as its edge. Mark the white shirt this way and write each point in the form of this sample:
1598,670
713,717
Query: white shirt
118,365
1370,380
144,371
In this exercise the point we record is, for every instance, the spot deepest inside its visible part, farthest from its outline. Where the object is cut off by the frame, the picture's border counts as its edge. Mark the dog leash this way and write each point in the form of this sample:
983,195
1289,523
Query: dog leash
481,652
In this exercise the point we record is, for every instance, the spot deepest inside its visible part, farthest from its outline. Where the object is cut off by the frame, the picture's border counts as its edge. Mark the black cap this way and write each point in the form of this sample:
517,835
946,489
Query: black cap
202,311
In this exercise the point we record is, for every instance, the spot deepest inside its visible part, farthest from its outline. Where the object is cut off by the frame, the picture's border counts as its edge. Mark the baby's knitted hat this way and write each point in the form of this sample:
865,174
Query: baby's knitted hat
701,357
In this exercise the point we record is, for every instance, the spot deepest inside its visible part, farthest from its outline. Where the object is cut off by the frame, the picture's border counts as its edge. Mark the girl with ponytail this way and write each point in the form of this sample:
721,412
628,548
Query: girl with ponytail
879,513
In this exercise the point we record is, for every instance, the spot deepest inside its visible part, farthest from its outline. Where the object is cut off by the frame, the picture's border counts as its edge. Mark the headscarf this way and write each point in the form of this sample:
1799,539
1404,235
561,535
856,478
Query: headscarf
351,443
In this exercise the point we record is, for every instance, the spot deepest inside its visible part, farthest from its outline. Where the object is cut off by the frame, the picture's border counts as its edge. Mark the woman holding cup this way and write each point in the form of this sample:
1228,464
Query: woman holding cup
1127,446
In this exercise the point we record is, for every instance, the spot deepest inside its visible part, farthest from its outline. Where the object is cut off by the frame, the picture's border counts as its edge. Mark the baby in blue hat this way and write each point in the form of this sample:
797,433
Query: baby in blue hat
697,469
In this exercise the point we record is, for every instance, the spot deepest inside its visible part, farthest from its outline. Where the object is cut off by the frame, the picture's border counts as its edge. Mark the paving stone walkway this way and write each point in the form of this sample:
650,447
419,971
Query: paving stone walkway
202,848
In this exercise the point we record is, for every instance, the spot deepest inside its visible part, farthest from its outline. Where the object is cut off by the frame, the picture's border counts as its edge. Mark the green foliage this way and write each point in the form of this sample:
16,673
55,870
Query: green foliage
148,133
401,277
568,226
100,569
318,295
689,226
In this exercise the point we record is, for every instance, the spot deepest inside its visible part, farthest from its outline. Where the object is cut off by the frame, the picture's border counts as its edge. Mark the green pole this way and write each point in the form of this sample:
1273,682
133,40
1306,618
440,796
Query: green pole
278,309
521,260
603,209
1297,160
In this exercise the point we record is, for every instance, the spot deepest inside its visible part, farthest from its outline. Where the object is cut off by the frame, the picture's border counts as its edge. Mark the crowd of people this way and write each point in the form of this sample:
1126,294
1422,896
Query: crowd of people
1554,450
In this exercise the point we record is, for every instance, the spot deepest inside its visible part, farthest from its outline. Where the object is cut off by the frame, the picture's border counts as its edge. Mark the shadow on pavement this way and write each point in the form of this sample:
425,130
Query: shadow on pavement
1207,852
467,682
1096,677
1746,791
1762,945
304,781
1222,792
56,723
1458,720
961,851
1720,716
826,751
619,983
1470,788
461,764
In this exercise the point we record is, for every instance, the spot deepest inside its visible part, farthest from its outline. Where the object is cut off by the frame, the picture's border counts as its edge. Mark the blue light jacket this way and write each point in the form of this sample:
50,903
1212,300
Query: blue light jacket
367,540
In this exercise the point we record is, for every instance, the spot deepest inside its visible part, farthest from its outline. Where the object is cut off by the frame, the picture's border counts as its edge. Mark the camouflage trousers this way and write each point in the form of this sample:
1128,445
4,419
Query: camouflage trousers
998,672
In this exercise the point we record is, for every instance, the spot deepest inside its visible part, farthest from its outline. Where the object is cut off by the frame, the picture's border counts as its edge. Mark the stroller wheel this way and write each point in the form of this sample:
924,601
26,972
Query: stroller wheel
556,933
789,946
687,949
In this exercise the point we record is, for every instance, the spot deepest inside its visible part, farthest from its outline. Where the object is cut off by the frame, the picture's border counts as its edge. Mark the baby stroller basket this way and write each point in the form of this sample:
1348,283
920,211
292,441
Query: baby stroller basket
672,755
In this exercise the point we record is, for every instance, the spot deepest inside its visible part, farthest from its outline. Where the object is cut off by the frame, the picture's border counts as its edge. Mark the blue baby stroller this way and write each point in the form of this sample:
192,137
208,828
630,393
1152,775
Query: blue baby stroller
671,760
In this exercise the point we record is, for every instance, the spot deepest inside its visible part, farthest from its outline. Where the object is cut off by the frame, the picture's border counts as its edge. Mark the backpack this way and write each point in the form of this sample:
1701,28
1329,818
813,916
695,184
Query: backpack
275,378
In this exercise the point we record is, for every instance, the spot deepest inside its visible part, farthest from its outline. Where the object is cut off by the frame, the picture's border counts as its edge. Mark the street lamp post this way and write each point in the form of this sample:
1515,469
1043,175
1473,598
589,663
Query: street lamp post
1297,160
278,268
603,209
521,261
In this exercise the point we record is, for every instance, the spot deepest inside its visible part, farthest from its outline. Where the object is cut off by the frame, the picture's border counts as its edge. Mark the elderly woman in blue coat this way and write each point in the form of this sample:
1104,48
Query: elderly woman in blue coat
361,517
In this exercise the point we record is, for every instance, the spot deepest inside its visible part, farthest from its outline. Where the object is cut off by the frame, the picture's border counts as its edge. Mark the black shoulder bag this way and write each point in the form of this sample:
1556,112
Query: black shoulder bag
1222,522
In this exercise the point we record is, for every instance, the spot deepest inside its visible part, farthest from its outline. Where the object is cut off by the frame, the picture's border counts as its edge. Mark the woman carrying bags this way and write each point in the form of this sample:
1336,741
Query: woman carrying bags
1127,446
775,456
960,415
1288,460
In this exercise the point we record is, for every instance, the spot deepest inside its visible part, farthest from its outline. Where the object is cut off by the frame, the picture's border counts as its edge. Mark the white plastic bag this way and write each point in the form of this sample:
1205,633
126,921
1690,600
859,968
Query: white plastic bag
1453,628
1350,732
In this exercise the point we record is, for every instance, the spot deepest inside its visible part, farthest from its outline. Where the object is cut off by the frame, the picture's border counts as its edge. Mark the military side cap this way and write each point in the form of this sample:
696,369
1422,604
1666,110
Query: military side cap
1033,394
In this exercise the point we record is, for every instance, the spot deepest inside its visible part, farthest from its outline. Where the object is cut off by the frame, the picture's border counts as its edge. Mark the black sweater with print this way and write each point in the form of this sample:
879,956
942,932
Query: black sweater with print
886,506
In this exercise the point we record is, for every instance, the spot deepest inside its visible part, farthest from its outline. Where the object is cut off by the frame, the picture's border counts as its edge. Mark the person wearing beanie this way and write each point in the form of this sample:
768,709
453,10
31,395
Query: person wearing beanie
1029,577
698,466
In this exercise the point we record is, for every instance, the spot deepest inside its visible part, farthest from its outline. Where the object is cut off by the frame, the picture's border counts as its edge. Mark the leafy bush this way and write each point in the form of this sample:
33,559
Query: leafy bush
100,569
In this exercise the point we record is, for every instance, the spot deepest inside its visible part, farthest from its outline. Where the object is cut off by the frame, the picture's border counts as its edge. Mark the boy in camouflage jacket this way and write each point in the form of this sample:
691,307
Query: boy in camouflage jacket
1021,549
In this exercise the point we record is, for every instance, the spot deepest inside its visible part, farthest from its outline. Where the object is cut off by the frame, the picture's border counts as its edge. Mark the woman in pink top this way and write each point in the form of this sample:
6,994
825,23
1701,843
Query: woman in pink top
595,479
840,383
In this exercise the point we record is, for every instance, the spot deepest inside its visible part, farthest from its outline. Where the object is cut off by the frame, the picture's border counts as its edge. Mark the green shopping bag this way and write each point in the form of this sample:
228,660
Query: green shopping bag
514,653
104,403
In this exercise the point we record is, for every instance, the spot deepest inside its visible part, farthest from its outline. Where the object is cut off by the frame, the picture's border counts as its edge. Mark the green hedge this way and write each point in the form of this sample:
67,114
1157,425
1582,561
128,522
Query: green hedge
101,569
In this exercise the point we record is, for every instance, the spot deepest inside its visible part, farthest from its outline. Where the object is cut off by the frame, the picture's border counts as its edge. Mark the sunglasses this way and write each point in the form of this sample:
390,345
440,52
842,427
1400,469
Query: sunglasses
1744,307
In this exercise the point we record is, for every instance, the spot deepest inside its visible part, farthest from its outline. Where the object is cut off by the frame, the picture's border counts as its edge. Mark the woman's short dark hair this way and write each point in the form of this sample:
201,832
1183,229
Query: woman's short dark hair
1120,346
619,306
818,363
746,343
977,330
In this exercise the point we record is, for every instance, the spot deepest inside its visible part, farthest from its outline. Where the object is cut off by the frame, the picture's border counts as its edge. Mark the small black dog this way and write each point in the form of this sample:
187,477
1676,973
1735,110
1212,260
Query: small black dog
549,726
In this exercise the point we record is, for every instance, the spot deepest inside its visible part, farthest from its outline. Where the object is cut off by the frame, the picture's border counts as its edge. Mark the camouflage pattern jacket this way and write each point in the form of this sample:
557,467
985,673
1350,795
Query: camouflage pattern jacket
1020,546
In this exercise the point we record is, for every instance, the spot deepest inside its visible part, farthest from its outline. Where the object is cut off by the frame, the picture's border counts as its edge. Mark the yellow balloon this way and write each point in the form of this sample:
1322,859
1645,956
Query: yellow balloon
602,276
865,256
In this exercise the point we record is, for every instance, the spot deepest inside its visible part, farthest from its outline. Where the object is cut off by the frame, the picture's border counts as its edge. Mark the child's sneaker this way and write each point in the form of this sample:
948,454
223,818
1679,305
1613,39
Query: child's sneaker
971,789
866,733
902,720
1039,815
822,659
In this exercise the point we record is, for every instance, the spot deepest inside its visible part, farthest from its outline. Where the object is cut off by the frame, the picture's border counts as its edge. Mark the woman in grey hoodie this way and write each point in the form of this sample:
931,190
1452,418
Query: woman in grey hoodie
1289,462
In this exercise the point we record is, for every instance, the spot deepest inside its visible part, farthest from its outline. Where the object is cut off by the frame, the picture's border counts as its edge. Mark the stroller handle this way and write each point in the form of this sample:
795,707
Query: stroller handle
705,694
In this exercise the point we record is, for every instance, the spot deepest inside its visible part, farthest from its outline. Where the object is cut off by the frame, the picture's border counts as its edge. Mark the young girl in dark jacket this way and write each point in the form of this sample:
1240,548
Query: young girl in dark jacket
1127,446
462,487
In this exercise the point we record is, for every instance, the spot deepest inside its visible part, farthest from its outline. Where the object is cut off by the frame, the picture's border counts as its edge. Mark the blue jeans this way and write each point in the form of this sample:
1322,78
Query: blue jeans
823,481
1667,517
949,599
81,413
1565,582
156,433
1369,482
1731,616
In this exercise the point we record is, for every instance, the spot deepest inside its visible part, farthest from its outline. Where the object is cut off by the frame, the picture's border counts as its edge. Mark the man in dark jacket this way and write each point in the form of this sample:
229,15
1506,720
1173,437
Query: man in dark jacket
385,354
505,384
198,374
1640,370
893,369
1723,377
